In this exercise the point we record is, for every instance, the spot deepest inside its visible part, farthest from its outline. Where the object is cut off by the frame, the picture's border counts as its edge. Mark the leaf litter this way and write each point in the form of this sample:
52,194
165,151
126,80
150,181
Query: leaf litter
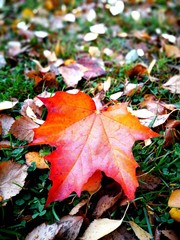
141,46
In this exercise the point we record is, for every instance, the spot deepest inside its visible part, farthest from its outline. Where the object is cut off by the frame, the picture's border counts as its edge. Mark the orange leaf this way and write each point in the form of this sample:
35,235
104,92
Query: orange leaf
88,140
35,157
93,183
174,200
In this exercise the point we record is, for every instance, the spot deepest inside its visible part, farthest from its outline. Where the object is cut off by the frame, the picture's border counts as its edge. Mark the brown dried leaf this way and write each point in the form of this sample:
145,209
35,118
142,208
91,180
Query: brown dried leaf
148,181
44,231
6,123
46,79
170,234
119,234
5,144
12,178
104,204
35,157
171,133
152,104
172,51
93,68
138,70
142,35
69,227
22,129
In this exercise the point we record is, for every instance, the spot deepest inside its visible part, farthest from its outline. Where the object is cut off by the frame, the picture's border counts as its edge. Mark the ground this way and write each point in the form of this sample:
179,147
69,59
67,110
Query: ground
53,46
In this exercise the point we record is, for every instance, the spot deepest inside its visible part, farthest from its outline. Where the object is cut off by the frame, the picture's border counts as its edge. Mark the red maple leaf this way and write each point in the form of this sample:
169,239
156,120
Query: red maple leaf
87,140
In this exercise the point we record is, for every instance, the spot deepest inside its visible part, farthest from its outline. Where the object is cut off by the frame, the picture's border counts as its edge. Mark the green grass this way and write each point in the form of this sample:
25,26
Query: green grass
27,208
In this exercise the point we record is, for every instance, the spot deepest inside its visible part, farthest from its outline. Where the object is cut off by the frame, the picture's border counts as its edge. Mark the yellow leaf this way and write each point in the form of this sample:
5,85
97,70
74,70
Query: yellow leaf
175,214
140,233
57,48
27,13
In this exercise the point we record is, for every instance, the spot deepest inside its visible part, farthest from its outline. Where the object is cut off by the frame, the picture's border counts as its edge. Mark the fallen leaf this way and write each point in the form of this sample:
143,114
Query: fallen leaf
40,68
141,113
131,88
69,17
107,84
32,104
69,227
72,74
174,199
172,51
44,94
14,48
131,56
93,68
100,227
8,104
140,233
6,123
27,13
5,144
12,178
35,157
51,56
153,104
104,204
171,133
43,80
121,233
31,110
75,209
117,8
94,51
138,70
148,181
115,96
85,139
99,28
155,121
41,34
22,129
175,214
173,84
170,234
44,231
141,35
90,36
2,60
